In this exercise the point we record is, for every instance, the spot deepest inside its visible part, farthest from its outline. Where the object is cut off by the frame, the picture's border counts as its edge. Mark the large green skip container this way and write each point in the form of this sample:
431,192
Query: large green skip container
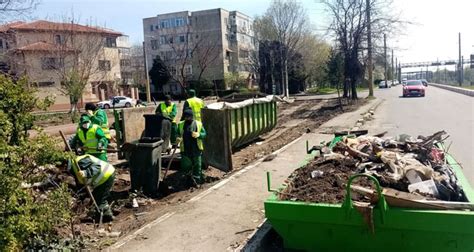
233,127
340,227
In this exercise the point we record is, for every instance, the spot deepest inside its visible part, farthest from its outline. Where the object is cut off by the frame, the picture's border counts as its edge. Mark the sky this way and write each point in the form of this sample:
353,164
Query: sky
433,34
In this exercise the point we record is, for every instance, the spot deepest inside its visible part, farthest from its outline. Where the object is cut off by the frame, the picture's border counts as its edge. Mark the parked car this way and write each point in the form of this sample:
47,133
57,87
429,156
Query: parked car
120,102
425,82
382,84
413,88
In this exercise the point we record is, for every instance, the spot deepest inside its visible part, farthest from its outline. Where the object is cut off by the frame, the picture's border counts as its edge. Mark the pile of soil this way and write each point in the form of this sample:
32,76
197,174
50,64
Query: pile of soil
327,188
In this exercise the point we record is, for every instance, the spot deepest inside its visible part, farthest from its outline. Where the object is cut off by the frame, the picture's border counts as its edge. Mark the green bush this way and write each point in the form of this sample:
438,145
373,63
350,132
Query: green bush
26,215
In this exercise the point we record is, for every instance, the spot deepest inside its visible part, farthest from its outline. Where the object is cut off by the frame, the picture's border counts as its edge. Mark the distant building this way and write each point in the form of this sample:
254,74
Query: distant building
205,44
43,51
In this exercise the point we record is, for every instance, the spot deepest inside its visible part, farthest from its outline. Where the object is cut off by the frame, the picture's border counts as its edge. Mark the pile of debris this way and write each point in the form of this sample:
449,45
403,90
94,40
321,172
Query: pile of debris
412,171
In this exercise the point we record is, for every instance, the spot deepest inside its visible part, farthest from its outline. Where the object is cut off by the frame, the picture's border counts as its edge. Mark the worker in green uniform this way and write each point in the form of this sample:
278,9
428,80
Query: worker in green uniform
168,110
191,133
98,174
90,138
99,117
195,104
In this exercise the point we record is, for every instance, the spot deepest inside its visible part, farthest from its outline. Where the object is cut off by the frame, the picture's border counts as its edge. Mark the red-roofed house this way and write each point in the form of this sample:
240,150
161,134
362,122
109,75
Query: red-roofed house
48,52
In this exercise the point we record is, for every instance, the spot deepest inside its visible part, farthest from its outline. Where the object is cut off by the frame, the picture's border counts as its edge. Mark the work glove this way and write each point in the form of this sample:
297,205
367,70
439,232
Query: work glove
82,174
178,140
100,146
195,134
90,112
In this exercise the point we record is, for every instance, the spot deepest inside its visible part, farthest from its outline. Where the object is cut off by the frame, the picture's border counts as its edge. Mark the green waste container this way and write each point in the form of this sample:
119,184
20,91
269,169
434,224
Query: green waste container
145,166
339,227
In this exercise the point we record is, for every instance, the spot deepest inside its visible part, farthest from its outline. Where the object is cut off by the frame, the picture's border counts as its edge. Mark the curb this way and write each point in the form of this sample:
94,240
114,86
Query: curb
454,89
367,116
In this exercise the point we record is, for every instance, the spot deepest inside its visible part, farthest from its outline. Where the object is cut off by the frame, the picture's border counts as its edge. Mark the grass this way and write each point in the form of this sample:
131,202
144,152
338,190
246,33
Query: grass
468,87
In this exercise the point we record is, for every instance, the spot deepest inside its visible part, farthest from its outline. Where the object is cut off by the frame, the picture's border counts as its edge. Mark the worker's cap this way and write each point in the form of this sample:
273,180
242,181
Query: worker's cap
188,113
84,118
90,106
192,92
167,98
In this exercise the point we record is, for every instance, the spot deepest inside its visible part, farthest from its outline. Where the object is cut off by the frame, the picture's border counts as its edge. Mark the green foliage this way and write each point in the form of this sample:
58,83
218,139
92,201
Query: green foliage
25,214
159,74
335,69
322,90
235,81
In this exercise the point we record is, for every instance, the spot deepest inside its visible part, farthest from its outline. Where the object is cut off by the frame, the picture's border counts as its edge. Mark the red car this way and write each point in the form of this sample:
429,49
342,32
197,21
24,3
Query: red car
414,88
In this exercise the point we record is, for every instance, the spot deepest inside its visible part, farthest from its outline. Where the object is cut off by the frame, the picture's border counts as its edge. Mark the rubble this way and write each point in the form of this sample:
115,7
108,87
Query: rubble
412,171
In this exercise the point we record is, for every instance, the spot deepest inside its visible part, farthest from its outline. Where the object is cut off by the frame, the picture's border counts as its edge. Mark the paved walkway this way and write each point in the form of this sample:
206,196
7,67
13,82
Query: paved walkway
221,217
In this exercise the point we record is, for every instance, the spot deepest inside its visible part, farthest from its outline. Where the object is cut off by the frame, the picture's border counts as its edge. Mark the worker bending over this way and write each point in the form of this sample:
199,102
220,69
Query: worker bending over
168,110
191,133
195,104
98,174
98,116
90,138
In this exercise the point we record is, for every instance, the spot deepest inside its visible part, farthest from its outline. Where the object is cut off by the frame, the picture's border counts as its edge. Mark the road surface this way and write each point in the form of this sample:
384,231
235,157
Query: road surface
439,110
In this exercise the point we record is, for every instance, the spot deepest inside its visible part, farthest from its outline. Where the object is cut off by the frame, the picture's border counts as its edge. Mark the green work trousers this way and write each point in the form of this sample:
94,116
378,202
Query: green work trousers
192,166
102,193
174,132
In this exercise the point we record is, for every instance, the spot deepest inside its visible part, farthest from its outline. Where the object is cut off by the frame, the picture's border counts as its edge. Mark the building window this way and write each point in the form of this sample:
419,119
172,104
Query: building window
244,54
188,70
58,39
51,63
154,44
162,40
190,53
173,71
165,23
111,42
104,65
151,27
179,22
1,44
170,40
45,83
125,63
227,55
182,39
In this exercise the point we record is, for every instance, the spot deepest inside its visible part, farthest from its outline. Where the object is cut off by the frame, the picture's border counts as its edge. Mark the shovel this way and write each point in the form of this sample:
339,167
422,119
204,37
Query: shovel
169,163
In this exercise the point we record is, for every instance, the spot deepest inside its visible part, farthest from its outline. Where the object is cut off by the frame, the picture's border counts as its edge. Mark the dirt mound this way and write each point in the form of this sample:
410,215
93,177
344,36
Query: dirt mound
308,184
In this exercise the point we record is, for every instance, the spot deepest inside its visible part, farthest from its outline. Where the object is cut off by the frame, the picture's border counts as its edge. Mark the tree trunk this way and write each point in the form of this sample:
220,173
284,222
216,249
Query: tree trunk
354,89
345,93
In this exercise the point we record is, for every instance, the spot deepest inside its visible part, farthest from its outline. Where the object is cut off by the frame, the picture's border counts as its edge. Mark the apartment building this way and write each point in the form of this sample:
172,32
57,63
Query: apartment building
200,45
46,52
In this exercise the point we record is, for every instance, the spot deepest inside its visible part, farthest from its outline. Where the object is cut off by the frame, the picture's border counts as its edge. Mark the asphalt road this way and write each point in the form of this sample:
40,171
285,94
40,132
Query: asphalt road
439,110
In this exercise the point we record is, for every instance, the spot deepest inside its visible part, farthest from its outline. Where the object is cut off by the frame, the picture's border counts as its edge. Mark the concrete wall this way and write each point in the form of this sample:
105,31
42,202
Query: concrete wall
454,89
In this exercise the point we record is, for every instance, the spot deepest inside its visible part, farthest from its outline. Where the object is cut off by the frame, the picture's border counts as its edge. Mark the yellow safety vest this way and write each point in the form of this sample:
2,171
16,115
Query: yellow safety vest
90,142
106,170
168,109
105,126
196,105
195,124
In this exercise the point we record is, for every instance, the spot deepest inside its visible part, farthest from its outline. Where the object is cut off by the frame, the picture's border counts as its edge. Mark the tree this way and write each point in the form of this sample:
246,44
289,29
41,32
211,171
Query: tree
315,53
285,21
159,73
80,57
15,8
349,26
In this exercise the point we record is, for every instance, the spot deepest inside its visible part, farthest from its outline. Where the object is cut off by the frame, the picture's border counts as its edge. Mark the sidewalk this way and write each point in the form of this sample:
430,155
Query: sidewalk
221,217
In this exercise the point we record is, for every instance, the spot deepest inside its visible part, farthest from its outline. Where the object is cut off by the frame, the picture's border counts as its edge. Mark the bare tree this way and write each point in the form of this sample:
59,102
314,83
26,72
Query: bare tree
80,57
285,21
205,54
349,26
15,8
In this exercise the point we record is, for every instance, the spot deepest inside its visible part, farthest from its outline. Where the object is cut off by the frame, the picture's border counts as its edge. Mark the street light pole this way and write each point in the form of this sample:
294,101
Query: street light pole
147,85
385,58
369,50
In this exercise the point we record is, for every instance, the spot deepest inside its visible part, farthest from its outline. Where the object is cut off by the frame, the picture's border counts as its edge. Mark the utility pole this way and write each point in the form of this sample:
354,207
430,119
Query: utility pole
147,85
396,69
393,70
369,50
462,70
460,62
385,58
